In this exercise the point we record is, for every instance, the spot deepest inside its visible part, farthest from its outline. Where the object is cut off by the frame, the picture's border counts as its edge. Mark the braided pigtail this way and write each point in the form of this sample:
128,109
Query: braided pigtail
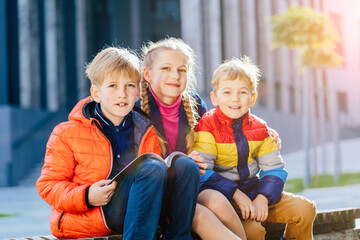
145,108
191,115
144,97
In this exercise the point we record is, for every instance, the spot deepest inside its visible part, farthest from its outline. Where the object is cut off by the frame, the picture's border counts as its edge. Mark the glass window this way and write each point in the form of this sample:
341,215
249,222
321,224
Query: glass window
342,102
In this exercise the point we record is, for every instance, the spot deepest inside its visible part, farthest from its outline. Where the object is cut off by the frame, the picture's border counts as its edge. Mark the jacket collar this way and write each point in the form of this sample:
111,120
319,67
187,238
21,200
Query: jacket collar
105,122
225,120
85,109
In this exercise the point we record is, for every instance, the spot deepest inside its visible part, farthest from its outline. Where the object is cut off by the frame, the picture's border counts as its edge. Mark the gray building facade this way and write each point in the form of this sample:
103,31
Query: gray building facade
45,45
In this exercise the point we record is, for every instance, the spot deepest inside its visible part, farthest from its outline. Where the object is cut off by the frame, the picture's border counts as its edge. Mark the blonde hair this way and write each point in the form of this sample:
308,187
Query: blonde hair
234,69
149,54
113,61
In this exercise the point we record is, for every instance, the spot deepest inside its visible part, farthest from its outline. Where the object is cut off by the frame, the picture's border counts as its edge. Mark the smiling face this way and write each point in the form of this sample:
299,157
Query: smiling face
167,75
117,96
234,97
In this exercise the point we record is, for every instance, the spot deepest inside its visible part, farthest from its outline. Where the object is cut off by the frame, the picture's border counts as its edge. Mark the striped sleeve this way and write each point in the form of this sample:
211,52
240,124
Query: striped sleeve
205,144
272,173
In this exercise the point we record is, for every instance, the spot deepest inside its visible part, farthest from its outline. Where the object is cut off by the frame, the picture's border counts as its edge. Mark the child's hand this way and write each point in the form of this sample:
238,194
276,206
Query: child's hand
262,209
248,210
199,161
275,138
100,193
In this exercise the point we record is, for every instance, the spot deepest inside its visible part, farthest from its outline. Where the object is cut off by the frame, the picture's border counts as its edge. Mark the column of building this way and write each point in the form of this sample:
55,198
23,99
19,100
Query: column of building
29,56
135,22
249,34
81,49
3,53
231,29
212,39
192,33
283,74
51,46
265,54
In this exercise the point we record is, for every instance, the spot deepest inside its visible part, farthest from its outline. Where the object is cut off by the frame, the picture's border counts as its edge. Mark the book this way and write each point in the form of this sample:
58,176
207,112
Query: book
167,162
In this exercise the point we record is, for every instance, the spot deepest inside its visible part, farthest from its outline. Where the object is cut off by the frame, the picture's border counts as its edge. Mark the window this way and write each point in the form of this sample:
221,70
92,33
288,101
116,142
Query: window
162,20
278,96
342,102
292,98
262,92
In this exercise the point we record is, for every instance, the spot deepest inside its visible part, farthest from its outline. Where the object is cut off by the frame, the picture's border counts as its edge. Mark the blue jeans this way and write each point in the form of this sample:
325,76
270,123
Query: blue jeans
180,199
135,207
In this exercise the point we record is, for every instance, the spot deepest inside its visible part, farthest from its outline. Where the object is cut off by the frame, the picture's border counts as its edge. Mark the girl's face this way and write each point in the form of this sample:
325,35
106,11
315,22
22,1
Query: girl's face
168,75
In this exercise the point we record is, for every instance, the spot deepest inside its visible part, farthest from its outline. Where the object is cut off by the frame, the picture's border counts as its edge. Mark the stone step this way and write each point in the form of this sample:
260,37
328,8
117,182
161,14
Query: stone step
348,234
33,175
334,221
325,222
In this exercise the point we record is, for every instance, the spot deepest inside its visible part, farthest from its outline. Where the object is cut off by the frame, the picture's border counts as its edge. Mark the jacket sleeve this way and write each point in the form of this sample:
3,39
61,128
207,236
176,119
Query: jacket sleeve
55,184
150,142
205,143
273,174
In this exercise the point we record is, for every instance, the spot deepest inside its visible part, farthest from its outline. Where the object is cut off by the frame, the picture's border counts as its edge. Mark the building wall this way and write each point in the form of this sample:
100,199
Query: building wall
45,45
245,31
346,79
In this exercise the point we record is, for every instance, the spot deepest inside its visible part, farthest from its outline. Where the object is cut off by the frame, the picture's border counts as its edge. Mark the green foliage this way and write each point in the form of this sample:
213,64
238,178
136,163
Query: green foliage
319,58
308,31
296,184
7,214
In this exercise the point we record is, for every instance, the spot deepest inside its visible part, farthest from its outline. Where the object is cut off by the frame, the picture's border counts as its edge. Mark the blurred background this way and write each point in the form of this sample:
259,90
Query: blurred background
45,45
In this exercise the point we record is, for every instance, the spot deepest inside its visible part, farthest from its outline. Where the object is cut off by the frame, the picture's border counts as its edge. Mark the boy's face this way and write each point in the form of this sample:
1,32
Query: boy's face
117,96
233,97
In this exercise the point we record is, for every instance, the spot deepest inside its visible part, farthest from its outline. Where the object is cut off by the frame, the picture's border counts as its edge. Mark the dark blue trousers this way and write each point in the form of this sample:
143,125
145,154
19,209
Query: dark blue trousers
135,207
148,190
180,199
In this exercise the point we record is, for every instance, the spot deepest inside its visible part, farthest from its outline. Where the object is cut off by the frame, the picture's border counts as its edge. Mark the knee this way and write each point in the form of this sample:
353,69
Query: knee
215,201
303,210
153,168
186,165
307,208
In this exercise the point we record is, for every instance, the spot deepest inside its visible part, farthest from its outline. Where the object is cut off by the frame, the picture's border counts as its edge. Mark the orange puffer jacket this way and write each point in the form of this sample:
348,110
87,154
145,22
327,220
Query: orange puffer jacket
78,155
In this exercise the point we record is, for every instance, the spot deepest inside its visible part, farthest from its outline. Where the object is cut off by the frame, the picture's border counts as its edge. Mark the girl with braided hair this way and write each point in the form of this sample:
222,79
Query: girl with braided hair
168,97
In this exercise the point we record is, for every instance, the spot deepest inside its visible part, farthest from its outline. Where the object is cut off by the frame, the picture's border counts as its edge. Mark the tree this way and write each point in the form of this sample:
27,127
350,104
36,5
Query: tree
313,36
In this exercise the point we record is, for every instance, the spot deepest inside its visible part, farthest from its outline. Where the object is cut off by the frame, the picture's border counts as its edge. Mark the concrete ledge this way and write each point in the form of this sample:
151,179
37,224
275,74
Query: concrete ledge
334,221
348,234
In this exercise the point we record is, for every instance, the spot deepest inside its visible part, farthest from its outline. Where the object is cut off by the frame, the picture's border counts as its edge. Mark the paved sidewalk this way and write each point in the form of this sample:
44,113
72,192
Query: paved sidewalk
32,213
350,159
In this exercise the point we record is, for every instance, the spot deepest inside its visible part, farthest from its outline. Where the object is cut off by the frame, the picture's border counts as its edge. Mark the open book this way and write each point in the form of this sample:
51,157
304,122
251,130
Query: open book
167,161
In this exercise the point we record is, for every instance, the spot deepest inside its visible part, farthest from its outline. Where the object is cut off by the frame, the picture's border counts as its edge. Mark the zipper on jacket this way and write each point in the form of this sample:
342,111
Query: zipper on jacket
98,128
58,225
61,215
